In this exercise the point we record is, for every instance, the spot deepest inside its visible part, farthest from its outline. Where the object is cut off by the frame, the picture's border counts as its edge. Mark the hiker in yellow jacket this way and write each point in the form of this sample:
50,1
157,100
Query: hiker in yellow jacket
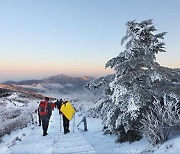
67,113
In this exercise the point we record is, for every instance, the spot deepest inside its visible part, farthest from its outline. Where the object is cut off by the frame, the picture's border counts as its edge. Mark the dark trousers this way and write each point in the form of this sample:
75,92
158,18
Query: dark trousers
65,124
45,123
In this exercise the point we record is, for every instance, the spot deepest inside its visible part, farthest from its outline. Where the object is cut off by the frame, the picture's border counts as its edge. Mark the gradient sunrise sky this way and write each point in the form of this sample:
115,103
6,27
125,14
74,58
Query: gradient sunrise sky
40,38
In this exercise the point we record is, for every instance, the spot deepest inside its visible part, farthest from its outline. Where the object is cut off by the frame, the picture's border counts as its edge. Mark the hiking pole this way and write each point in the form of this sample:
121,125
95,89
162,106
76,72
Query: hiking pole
60,122
74,123
37,118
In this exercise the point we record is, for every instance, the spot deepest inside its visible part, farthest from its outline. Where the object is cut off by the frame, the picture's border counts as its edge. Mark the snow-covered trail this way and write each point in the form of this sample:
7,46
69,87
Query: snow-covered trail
54,142
29,140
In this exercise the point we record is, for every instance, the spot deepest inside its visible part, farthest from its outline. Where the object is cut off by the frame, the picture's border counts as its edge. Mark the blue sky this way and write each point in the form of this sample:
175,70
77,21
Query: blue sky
40,38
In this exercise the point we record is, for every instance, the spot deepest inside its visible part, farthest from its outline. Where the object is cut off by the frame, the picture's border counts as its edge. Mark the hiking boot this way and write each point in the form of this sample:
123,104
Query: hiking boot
65,132
44,134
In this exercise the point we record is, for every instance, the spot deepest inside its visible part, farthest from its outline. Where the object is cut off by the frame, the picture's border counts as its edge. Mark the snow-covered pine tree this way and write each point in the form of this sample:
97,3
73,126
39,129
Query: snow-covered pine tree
130,90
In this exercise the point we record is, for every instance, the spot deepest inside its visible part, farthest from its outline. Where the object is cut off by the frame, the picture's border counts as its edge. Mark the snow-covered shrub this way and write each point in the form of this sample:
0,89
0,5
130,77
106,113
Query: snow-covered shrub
5,92
161,118
17,111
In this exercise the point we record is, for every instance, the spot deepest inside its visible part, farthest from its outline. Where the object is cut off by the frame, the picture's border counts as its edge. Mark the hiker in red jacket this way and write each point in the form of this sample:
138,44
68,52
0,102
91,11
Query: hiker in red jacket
45,111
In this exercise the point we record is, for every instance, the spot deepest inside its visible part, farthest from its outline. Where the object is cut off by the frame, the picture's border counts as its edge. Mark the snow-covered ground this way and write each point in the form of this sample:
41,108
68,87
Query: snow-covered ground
30,139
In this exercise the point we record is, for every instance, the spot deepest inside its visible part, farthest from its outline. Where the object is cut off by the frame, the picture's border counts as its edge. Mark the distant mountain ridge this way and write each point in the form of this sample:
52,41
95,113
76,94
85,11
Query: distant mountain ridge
24,82
58,79
61,83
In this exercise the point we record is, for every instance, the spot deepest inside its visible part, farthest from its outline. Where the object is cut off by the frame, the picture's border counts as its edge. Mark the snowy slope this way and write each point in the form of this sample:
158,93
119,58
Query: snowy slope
17,109
30,139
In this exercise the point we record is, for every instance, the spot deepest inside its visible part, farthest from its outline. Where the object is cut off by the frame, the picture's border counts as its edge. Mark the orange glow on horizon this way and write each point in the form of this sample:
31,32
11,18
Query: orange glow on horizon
21,69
